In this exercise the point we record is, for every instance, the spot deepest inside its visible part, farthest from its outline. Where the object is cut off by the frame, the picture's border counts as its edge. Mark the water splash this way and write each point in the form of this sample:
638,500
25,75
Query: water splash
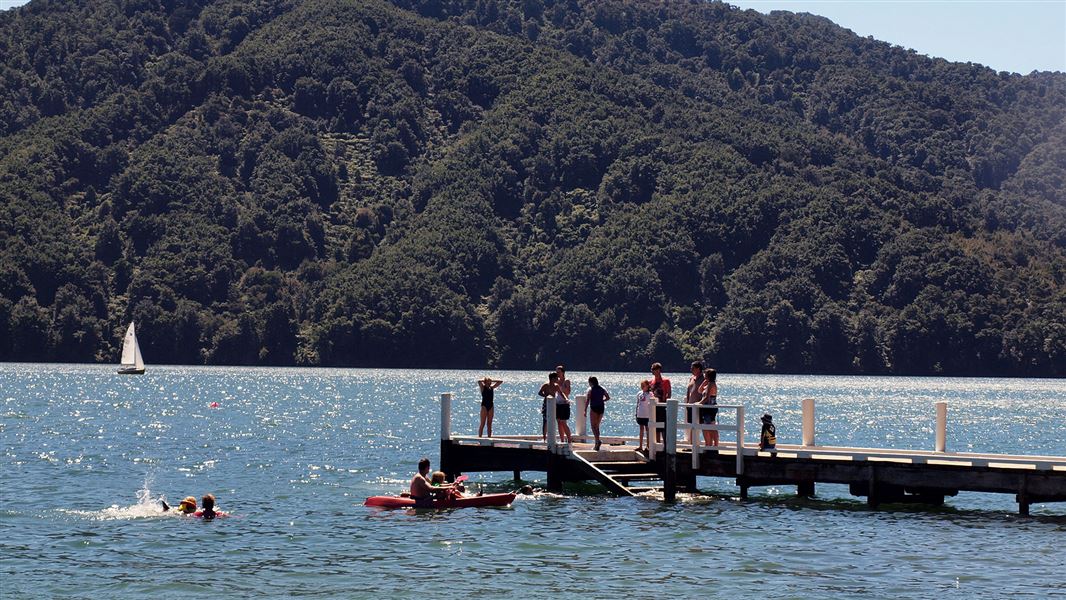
148,505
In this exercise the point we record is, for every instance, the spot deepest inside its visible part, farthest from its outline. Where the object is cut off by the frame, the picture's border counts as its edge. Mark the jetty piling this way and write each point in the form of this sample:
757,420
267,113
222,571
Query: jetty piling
881,475
579,405
670,449
941,427
555,463
808,422
446,416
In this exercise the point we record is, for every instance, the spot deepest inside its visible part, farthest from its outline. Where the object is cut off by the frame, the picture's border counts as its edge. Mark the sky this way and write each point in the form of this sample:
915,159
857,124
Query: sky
1008,35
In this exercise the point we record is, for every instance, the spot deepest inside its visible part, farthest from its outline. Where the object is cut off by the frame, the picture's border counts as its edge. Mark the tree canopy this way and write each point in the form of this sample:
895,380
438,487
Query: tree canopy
518,183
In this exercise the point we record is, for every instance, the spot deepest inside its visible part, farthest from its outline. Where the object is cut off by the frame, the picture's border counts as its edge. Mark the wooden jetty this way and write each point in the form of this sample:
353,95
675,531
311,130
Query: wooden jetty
672,465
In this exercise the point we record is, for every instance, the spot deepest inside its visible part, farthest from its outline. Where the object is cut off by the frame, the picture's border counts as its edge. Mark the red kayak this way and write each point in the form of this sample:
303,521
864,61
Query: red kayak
464,502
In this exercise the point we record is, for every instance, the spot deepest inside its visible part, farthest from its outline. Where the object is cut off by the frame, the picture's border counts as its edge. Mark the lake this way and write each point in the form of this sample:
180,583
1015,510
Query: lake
292,454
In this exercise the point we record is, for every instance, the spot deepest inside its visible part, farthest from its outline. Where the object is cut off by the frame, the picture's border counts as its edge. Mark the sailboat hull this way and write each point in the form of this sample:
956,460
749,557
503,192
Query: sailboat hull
130,371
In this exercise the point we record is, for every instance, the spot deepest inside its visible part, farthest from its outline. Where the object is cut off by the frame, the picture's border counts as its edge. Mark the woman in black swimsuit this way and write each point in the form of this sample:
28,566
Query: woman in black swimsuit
487,386
596,396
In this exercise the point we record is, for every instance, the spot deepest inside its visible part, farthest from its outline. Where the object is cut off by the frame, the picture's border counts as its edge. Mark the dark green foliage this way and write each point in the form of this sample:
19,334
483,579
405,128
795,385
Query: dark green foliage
521,183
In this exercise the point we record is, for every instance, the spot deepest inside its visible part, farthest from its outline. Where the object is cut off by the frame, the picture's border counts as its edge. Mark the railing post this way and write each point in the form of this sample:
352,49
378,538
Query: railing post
446,416
740,440
446,435
552,425
670,445
697,434
808,421
941,426
580,405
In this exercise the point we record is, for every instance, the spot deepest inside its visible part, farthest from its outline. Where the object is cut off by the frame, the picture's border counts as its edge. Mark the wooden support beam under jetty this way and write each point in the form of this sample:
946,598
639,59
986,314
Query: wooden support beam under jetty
881,475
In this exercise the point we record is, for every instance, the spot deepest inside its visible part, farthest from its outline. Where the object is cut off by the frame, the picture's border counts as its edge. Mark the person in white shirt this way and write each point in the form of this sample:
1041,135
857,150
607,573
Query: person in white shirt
644,398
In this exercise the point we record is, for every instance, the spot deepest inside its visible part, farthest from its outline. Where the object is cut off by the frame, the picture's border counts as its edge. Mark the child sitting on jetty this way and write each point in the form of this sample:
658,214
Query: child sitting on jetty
768,437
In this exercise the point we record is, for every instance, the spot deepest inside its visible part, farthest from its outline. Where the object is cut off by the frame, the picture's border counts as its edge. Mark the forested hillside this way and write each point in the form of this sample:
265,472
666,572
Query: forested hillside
519,183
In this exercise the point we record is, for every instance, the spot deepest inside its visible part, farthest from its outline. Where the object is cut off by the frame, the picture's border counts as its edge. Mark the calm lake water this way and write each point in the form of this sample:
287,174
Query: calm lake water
292,453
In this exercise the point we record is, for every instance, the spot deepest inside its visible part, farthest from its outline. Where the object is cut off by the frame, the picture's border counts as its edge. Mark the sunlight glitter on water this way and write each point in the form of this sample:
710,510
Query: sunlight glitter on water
295,451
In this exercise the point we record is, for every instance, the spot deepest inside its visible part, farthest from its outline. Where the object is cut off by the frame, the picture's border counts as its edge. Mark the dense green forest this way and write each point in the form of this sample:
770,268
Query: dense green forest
519,183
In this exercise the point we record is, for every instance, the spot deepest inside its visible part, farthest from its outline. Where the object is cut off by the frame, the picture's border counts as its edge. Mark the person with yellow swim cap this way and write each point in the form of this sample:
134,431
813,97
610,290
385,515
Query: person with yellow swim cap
188,505
185,507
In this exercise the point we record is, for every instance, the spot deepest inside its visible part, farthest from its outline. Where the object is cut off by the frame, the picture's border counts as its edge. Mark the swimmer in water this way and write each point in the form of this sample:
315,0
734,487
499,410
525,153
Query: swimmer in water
207,510
185,507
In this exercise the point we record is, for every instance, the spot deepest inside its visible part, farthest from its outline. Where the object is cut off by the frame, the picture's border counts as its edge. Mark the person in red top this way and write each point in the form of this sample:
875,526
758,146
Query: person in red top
660,388
207,509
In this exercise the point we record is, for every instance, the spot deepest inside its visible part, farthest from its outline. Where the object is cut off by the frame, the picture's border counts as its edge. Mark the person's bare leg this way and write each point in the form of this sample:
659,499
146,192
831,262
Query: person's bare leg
596,418
489,420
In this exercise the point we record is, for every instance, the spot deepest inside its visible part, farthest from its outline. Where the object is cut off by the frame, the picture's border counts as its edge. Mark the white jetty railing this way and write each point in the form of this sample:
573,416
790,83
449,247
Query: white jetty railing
695,429
807,449
939,454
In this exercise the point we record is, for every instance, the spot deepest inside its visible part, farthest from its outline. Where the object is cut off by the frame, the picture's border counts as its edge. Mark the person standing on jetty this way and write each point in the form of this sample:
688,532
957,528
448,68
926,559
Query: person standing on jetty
596,396
547,391
709,416
660,389
695,394
644,399
487,386
562,405
564,383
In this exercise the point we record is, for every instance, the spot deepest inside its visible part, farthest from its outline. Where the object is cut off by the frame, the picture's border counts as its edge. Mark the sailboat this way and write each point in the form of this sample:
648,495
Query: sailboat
132,363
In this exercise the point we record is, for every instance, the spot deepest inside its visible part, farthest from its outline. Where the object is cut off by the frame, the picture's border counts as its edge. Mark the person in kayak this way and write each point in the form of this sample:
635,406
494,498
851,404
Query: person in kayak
439,479
422,490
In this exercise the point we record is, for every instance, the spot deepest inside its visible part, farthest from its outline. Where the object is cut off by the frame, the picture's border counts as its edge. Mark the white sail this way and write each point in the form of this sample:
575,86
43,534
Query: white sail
138,362
130,350
132,363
